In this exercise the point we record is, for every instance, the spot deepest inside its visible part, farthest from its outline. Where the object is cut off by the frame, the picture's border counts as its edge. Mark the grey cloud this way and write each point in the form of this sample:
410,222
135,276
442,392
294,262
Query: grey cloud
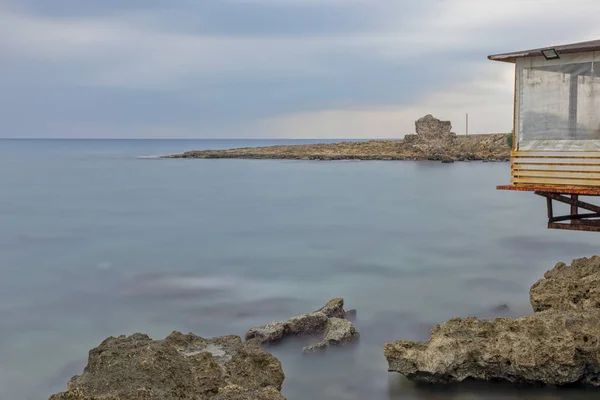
216,67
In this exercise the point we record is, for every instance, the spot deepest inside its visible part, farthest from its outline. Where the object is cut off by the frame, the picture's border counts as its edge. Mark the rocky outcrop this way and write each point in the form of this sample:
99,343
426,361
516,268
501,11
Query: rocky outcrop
178,367
557,345
433,141
337,332
574,287
433,135
328,320
431,128
552,347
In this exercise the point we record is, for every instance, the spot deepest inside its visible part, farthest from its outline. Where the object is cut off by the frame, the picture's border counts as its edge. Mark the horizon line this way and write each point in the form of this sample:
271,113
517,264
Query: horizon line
150,138
234,138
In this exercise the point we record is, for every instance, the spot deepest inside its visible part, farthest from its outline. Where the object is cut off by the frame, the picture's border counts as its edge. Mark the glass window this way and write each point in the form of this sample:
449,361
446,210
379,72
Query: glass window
559,102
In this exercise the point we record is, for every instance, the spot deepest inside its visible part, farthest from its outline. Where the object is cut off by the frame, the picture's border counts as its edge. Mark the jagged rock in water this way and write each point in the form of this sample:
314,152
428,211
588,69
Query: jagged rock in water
552,347
557,345
338,332
178,367
316,323
334,308
565,287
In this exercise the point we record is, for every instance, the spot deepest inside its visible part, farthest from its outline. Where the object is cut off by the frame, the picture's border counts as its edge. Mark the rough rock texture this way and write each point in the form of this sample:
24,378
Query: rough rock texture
178,367
551,347
431,129
564,287
328,320
558,345
338,332
433,141
334,308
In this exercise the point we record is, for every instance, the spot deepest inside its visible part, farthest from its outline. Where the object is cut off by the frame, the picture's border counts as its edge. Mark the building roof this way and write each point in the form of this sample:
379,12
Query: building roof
580,47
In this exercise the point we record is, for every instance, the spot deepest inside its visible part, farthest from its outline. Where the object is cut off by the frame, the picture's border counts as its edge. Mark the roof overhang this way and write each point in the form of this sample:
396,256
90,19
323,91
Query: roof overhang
580,47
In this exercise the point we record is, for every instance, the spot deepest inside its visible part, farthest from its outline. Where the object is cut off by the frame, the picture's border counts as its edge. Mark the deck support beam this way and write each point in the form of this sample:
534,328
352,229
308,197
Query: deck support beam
581,222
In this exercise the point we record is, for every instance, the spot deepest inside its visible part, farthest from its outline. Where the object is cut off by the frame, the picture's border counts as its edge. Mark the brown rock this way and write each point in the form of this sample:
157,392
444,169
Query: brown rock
334,308
558,345
314,323
179,367
551,347
431,128
574,287
338,332
239,393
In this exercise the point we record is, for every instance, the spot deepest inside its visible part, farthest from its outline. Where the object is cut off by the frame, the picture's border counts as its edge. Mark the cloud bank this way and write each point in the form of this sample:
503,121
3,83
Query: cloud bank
267,68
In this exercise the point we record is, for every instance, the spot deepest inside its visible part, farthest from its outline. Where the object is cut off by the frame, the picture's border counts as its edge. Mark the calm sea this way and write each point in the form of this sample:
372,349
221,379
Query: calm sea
96,240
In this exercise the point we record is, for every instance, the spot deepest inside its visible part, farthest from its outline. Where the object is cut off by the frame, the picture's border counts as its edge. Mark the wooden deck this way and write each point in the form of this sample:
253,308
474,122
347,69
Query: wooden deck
574,220
580,190
573,169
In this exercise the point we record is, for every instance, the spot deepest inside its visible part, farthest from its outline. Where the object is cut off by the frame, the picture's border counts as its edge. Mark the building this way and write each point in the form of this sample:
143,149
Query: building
556,143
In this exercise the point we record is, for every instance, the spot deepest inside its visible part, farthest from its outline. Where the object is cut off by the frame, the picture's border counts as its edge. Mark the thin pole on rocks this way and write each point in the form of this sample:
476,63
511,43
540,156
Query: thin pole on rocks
467,124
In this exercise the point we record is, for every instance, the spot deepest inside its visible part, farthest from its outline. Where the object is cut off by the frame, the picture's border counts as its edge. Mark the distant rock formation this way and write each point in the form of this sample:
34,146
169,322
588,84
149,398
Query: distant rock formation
176,368
431,129
433,140
558,345
329,321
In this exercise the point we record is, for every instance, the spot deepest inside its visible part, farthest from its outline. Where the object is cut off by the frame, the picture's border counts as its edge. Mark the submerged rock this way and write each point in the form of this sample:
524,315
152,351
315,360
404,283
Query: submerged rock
574,287
500,308
350,315
338,332
328,320
557,345
178,367
551,347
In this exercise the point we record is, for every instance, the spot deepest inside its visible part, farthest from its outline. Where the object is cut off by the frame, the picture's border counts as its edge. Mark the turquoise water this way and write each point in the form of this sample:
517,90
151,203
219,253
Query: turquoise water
96,241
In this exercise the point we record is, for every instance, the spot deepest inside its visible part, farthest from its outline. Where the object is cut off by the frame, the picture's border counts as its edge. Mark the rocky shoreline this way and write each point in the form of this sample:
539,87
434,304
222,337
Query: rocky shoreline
558,345
433,141
186,366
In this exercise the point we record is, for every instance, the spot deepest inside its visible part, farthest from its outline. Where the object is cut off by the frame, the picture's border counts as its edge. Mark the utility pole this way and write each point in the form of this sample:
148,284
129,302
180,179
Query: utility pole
467,124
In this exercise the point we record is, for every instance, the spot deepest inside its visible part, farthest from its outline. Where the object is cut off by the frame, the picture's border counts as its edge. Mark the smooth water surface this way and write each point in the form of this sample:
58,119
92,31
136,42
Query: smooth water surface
96,241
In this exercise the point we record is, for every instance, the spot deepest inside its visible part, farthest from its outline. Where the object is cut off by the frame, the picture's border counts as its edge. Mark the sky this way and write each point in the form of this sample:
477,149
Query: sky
268,68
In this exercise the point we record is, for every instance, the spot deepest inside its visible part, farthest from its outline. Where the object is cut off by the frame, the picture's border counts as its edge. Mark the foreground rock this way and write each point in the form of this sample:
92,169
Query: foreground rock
574,287
329,321
179,367
433,141
551,347
558,345
337,332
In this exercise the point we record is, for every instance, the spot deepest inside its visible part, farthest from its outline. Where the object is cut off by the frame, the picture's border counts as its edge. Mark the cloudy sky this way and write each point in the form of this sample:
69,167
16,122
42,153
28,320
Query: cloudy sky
267,68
